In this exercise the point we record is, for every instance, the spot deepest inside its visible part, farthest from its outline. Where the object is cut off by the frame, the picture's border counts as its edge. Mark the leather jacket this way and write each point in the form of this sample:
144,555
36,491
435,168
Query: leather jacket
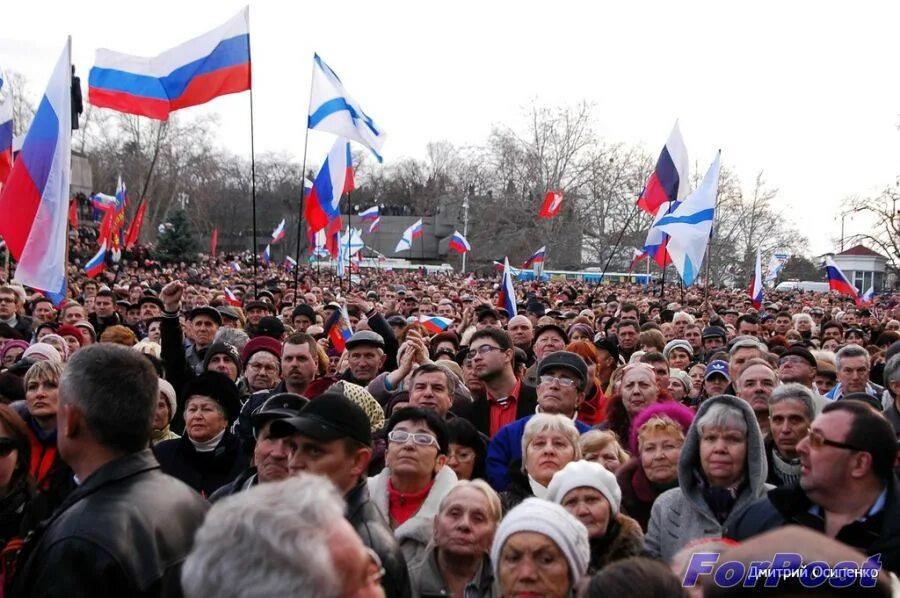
125,531
365,518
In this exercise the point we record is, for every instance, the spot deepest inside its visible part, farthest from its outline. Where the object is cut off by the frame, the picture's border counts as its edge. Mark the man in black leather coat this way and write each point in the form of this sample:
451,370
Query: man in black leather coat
333,437
127,527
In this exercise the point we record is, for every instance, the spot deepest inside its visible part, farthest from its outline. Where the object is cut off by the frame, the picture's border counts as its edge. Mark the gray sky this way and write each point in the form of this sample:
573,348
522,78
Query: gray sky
806,91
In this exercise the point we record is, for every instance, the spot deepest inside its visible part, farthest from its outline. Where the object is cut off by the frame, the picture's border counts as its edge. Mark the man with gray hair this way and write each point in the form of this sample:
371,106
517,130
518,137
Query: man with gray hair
853,364
294,541
127,527
791,411
892,382
742,350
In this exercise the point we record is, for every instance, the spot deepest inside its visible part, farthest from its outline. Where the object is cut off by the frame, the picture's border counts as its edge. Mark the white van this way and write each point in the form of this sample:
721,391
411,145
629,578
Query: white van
803,285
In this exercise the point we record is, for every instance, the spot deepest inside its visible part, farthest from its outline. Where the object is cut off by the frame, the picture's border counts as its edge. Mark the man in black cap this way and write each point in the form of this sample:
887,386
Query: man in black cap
607,364
256,310
303,317
365,356
205,322
270,454
150,307
487,317
230,318
269,326
562,381
332,437
714,338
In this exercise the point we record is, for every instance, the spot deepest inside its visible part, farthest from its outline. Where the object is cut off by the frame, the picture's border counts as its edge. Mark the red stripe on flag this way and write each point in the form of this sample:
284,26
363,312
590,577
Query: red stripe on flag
208,86
19,204
130,104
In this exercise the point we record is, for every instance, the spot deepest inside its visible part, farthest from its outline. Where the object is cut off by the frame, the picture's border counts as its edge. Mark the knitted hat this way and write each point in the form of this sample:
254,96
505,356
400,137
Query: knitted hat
42,351
579,474
168,391
583,328
677,412
13,344
222,348
553,521
678,343
69,330
261,343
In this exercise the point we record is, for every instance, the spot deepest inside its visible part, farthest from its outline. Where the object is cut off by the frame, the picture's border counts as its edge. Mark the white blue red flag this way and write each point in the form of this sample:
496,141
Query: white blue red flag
335,178
290,263
231,298
459,243
34,202
236,267
837,281
375,226
506,297
215,64
867,298
552,204
756,283
96,264
338,329
267,255
636,259
414,231
331,109
669,180
278,233
6,127
776,265
690,224
369,214
536,258
434,324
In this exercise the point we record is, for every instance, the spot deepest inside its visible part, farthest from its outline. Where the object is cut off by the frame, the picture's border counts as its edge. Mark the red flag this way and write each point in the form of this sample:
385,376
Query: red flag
552,204
134,231
214,242
73,213
333,236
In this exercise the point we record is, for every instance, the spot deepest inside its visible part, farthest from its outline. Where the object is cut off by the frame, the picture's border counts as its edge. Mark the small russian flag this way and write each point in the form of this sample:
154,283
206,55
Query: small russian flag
536,258
370,214
837,281
338,329
756,289
417,229
235,266
507,297
278,234
375,226
97,264
231,298
435,324
267,255
459,243
290,263
867,298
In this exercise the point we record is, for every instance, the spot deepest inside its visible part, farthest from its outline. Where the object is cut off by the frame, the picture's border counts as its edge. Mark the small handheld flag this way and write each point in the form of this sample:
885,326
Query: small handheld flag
552,204
837,281
459,243
214,242
867,298
636,259
290,263
536,258
231,298
278,234
96,264
338,329
369,215
375,226
507,295
413,232
236,267
756,288
267,255
669,179
435,324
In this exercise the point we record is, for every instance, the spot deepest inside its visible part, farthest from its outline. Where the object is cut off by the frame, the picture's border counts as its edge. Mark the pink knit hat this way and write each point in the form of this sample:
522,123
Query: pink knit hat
678,413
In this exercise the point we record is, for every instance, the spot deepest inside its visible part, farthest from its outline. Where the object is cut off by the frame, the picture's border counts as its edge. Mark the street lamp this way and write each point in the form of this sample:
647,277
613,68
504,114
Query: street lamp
843,216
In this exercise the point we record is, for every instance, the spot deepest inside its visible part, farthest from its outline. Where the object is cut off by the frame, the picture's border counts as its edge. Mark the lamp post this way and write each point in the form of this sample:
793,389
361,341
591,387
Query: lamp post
843,216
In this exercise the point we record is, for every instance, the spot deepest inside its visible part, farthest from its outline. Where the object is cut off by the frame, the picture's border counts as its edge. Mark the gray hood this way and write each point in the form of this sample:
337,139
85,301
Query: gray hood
756,467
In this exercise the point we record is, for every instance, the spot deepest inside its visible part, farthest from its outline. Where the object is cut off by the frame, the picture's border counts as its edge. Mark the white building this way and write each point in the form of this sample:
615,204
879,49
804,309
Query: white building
863,267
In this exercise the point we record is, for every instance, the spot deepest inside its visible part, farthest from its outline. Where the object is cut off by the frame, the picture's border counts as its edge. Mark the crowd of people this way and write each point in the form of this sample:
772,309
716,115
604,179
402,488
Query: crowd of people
161,437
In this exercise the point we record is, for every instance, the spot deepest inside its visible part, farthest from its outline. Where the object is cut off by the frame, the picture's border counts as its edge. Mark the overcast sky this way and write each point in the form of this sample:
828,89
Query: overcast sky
806,91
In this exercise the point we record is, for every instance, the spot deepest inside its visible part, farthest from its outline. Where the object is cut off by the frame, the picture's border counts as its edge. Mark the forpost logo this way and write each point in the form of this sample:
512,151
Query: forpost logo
783,566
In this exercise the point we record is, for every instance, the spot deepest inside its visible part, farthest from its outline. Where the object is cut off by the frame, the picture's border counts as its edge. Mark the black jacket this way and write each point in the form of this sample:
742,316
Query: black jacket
101,324
365,518
479,411
204,472
790,505
124,532
246,480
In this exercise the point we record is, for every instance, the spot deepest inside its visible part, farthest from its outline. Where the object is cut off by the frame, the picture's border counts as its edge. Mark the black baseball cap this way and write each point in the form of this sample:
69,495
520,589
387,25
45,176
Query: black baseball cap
330,417
605,344
564,359
206,310
278,406
270,326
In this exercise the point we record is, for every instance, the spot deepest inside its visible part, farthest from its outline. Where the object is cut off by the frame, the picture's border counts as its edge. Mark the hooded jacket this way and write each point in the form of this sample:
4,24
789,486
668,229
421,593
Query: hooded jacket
683,514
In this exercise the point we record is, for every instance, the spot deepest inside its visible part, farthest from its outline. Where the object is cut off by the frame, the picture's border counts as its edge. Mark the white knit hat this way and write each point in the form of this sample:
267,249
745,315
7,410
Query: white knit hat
585,474
551,520
39,351
168,391
678,343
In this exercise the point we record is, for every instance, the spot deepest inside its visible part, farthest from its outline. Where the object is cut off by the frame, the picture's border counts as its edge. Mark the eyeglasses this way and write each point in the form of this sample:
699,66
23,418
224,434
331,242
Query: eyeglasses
401,437
817,440
7,445
262,366
564,382
463,456
485,349
792,360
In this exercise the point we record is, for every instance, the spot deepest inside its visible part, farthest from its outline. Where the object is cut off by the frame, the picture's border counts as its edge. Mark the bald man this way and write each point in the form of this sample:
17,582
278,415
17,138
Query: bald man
521,331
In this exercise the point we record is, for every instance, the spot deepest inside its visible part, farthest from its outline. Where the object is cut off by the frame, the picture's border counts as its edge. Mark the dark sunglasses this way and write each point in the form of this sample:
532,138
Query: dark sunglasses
7,445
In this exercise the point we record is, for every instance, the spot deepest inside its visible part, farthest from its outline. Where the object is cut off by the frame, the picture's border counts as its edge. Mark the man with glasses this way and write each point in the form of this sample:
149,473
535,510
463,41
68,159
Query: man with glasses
563,379
797,365
409,490
847,490
262,363
332,437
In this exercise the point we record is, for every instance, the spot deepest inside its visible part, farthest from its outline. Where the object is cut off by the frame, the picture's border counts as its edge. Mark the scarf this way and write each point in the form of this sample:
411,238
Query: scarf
787,470
720,500
537,489
207,446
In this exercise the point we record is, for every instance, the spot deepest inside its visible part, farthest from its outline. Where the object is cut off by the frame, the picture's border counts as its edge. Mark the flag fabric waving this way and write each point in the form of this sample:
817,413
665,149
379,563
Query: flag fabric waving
331,109
214,242
756,287
278,234
290,263
552,204
434,324
837,281
657,240
375,226
35,199
96,264
776,265
459,243
689,225
636,259
413,232
369,215
669,179
338,329
212,65
536,258
867,298
506,298
236,267
231,298
134,231
335,178
267,255
6,127
73,211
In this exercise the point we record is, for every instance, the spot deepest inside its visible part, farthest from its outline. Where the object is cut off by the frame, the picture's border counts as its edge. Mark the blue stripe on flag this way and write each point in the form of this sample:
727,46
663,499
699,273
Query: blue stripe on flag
335,105
40,144
701,216
667,174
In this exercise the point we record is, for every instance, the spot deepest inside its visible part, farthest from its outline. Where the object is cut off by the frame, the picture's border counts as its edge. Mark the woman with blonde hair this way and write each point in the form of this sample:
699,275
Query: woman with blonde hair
602,446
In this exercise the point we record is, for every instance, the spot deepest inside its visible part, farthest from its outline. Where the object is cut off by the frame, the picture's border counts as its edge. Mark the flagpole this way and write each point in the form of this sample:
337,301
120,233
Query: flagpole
253,188
153,161
349,263
303,191
618,240
465,228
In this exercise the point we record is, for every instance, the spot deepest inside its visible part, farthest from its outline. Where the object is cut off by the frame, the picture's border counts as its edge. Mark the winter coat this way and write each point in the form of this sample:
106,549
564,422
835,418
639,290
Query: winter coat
245,481
518,488
204,472
638,492
427,581
682,514
415,533
623,539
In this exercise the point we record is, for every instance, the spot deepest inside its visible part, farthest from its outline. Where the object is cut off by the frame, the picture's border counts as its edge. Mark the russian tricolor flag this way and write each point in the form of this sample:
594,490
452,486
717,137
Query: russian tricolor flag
6,128
267,255
34,202
416,229
278,233
669,180
507,296
867,298
375,226
837,281
231,298
369,215
536,258
459,243
215,64
97,264
236,267
636,259
335,178
338,329
435,324
756,288
290,263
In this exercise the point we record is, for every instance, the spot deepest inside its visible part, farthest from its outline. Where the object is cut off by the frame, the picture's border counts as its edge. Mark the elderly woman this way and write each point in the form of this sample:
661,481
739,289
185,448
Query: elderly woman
679,354
592,495
637,390
722,468
656,443
208,456
540,550
592,410
457,561
603,447
679,385
549,442
166,406
468,449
